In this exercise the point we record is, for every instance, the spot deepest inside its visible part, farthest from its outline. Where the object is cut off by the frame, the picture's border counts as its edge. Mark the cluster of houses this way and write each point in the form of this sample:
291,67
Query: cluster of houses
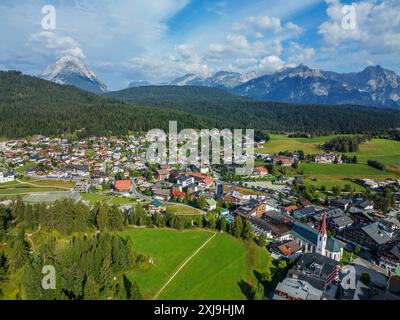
93,159
6,176
317,235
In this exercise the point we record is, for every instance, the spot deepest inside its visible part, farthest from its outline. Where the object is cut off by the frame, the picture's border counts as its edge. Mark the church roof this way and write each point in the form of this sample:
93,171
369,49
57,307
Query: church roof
310,235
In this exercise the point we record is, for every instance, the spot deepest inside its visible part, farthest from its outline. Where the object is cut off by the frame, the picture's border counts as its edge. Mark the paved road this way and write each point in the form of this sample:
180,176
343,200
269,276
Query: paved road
377,274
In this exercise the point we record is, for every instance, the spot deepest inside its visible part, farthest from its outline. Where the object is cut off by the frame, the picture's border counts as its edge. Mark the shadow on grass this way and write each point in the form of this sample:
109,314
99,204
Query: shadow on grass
246,289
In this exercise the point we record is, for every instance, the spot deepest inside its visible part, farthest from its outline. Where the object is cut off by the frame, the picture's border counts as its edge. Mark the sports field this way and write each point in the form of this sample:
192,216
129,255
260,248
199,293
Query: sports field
222,269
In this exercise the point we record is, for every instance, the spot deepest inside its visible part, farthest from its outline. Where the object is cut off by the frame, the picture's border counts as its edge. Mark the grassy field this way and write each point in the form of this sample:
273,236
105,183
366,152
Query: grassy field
24,190
329,175
221,270
109,198
181,210
284,143
168,249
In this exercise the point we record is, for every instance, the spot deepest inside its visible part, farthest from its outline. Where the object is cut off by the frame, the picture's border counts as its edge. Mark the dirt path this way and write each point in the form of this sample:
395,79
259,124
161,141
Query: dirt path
29,236
182,266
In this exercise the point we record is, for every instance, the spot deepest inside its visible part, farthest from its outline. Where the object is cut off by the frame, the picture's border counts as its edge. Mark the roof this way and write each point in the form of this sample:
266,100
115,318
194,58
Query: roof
261,169
211,202
298,289
310,235
323,227
123,184
374,232
289,248
157,203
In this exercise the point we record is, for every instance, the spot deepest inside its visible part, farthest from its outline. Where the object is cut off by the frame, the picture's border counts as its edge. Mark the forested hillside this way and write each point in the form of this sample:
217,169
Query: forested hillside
30,106
226,110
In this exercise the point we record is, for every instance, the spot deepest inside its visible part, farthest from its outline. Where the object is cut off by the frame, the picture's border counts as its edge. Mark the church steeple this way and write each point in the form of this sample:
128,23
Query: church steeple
322,238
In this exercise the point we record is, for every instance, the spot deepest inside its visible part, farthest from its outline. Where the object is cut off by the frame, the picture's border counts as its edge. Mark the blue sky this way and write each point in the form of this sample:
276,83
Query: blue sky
157,40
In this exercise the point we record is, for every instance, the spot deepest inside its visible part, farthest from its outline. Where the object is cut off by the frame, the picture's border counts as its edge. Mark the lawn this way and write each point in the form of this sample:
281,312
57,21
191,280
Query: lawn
24,190
109,198
221,270
284,143
168,249
385,151
181,210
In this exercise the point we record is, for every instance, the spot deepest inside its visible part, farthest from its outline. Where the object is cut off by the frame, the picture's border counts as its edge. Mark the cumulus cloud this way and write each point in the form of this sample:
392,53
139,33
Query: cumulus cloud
376,25
50,43
270,64
299,54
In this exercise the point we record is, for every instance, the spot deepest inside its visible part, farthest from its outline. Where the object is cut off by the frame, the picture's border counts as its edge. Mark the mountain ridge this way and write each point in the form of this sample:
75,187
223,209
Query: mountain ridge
71,71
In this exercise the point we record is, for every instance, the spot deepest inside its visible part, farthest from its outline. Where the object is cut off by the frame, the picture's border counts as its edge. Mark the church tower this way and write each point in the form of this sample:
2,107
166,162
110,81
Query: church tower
322,238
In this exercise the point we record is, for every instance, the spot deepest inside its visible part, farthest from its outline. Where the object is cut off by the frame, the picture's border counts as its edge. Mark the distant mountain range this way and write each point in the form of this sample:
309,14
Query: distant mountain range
71,71
221,79
372,87
29,106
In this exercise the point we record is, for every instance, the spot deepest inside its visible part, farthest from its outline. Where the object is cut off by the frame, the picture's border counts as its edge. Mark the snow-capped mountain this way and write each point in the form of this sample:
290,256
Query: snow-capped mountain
72,71
221,79
373,86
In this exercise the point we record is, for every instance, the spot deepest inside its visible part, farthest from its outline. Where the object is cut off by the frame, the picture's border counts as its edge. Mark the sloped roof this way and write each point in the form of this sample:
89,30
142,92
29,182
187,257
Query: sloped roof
308,234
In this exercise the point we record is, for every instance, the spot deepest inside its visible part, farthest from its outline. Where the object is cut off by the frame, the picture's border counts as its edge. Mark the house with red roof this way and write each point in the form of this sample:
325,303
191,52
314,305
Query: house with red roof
123,186
260,171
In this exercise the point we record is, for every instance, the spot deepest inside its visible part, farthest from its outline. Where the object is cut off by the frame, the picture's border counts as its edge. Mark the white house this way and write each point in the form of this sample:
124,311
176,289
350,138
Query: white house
6,177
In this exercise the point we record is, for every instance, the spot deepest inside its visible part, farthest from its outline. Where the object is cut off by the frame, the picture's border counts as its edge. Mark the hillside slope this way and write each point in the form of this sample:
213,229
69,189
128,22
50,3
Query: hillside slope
224,110
29,106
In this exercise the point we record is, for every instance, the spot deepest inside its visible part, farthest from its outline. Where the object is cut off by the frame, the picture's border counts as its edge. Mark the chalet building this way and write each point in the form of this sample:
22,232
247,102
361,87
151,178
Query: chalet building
307,211
206,181
293,289
162,175
288,249
369,237
184,181
336,219
312,278
343,204
253,208
282,161
328,158
6,177
260,171
313,241
360,216
211,204
156,207
123,186
161,194
389,258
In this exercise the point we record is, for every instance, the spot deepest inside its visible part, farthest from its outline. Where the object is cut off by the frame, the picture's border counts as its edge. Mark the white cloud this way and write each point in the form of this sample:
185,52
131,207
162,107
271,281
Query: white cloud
377,26
299,54
50,43
270,64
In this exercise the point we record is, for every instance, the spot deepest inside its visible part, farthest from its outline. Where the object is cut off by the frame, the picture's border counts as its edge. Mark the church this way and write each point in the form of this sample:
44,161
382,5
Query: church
312,240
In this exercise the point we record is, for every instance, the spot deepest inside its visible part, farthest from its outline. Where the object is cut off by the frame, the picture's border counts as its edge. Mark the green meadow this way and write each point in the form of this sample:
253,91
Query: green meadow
223,269
329,175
